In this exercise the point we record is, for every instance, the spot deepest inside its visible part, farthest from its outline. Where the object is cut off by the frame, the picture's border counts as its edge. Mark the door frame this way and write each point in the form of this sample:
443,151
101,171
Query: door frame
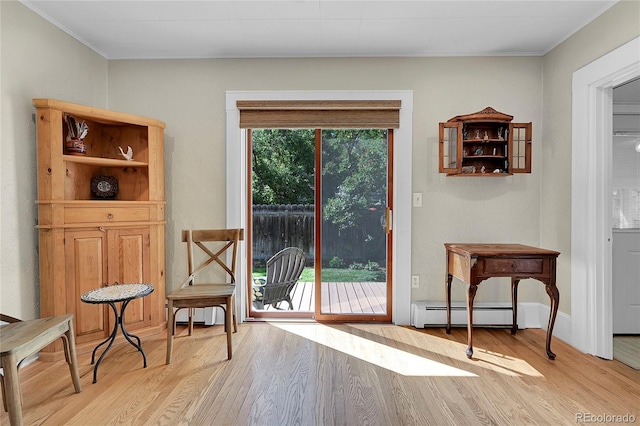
236,183
591,233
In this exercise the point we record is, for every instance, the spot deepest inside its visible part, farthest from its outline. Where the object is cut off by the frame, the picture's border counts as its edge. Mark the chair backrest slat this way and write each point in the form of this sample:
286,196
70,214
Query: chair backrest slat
227,239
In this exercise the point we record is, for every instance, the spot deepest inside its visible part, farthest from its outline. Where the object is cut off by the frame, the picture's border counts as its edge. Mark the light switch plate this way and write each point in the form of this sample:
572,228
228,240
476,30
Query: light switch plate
417,199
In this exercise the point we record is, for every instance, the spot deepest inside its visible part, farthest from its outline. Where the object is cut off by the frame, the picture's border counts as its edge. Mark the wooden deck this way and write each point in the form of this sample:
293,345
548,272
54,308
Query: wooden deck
340,298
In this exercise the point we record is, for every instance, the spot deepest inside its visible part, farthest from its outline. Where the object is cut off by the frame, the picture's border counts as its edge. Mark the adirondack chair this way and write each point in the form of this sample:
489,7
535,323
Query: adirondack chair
283,272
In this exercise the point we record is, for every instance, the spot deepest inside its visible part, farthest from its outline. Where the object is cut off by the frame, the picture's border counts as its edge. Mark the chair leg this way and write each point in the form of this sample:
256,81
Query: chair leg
191,312
233,313
227,320
175,321
71,355
12,388
170,331
4,392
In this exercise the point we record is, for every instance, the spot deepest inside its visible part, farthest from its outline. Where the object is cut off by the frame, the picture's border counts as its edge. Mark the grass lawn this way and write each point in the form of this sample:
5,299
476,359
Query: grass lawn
333,275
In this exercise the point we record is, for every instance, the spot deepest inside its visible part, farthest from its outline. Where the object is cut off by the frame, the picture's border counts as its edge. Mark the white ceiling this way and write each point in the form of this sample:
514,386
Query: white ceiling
123,29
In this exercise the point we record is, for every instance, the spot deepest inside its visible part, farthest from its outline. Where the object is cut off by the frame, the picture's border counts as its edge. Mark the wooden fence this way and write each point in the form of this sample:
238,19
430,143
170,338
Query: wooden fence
278,226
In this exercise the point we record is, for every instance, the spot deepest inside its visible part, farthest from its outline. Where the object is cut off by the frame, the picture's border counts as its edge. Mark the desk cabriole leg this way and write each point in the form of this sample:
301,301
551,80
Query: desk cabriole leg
448,302
514,304
471,294
554,296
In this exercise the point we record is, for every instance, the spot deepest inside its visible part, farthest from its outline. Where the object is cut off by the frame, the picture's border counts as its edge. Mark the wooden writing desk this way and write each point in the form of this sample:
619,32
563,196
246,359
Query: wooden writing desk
473,263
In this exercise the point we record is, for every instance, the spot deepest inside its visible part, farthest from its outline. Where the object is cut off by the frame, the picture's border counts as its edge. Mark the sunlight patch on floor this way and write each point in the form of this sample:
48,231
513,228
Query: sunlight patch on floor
482,357
393,359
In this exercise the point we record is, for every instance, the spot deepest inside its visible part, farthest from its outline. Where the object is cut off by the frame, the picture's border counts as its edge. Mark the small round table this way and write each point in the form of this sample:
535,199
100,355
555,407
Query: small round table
124,293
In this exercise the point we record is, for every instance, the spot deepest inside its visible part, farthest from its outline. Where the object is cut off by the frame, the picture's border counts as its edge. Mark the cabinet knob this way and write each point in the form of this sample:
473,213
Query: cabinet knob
110,216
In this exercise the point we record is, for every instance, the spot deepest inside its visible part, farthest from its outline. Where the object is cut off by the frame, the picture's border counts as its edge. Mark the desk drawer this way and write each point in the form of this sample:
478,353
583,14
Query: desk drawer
513,265
105,214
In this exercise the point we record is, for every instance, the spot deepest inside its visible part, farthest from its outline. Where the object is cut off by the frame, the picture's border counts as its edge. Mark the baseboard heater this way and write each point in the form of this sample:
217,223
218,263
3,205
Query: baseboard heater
485,314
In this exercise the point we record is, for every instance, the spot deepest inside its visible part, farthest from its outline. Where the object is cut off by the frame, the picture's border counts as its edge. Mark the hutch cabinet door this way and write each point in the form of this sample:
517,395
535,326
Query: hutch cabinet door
128,263
85,270
450,151
521,148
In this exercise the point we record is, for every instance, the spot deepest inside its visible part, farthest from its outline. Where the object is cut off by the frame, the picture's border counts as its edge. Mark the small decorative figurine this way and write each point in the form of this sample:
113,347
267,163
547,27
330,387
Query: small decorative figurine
128,155
500,134
477,134
482,170
486,135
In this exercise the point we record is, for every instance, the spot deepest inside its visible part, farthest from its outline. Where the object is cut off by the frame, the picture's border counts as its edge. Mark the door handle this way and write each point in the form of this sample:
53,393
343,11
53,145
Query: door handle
389,224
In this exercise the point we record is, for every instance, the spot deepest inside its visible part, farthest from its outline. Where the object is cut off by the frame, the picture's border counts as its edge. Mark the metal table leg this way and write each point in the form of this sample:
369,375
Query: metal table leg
119,322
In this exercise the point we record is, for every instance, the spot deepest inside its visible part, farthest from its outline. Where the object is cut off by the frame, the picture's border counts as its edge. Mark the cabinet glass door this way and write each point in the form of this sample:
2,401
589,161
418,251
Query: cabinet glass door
521,148
450,152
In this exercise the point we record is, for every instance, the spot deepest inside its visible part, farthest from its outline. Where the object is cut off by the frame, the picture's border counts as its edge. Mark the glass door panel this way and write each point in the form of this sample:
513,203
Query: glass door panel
353,268
282,216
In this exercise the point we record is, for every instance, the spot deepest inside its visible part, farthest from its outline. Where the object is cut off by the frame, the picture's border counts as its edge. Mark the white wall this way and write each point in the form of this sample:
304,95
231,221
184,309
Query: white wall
615,27
189,96
38,61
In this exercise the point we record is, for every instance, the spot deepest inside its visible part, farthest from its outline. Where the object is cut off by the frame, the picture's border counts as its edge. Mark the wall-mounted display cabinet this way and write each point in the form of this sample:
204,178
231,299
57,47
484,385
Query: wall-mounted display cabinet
100,217
485,143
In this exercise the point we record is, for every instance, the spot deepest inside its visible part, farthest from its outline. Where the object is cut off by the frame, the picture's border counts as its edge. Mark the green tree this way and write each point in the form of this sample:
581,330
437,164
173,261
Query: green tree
354,174
354,170
283,163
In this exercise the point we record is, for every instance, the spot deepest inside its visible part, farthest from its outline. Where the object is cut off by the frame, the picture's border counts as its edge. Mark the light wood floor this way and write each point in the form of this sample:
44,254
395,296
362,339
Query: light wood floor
347,374
626,349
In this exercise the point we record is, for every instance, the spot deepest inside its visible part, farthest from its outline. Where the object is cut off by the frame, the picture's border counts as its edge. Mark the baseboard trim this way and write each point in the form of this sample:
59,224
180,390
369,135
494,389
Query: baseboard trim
490,314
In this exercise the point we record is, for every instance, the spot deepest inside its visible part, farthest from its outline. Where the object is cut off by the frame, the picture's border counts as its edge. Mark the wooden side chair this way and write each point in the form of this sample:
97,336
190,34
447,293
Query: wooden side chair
220,248
283,272
19,340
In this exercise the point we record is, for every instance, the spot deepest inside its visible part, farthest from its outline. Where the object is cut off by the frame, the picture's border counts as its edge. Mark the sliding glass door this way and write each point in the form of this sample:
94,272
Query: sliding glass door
326,192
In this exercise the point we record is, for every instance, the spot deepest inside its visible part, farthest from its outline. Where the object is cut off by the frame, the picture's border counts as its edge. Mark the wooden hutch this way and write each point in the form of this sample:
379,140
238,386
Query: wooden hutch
90,239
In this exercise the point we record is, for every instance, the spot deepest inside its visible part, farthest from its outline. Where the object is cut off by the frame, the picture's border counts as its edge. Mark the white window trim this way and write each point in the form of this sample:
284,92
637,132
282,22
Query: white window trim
236,174
591,234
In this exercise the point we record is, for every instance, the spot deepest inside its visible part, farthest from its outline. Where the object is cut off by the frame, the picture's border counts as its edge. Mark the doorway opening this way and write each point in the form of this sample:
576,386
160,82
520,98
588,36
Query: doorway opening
591,221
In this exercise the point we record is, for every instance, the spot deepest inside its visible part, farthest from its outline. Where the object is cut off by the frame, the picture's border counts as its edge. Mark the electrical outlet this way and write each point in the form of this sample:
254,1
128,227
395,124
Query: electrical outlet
415,281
